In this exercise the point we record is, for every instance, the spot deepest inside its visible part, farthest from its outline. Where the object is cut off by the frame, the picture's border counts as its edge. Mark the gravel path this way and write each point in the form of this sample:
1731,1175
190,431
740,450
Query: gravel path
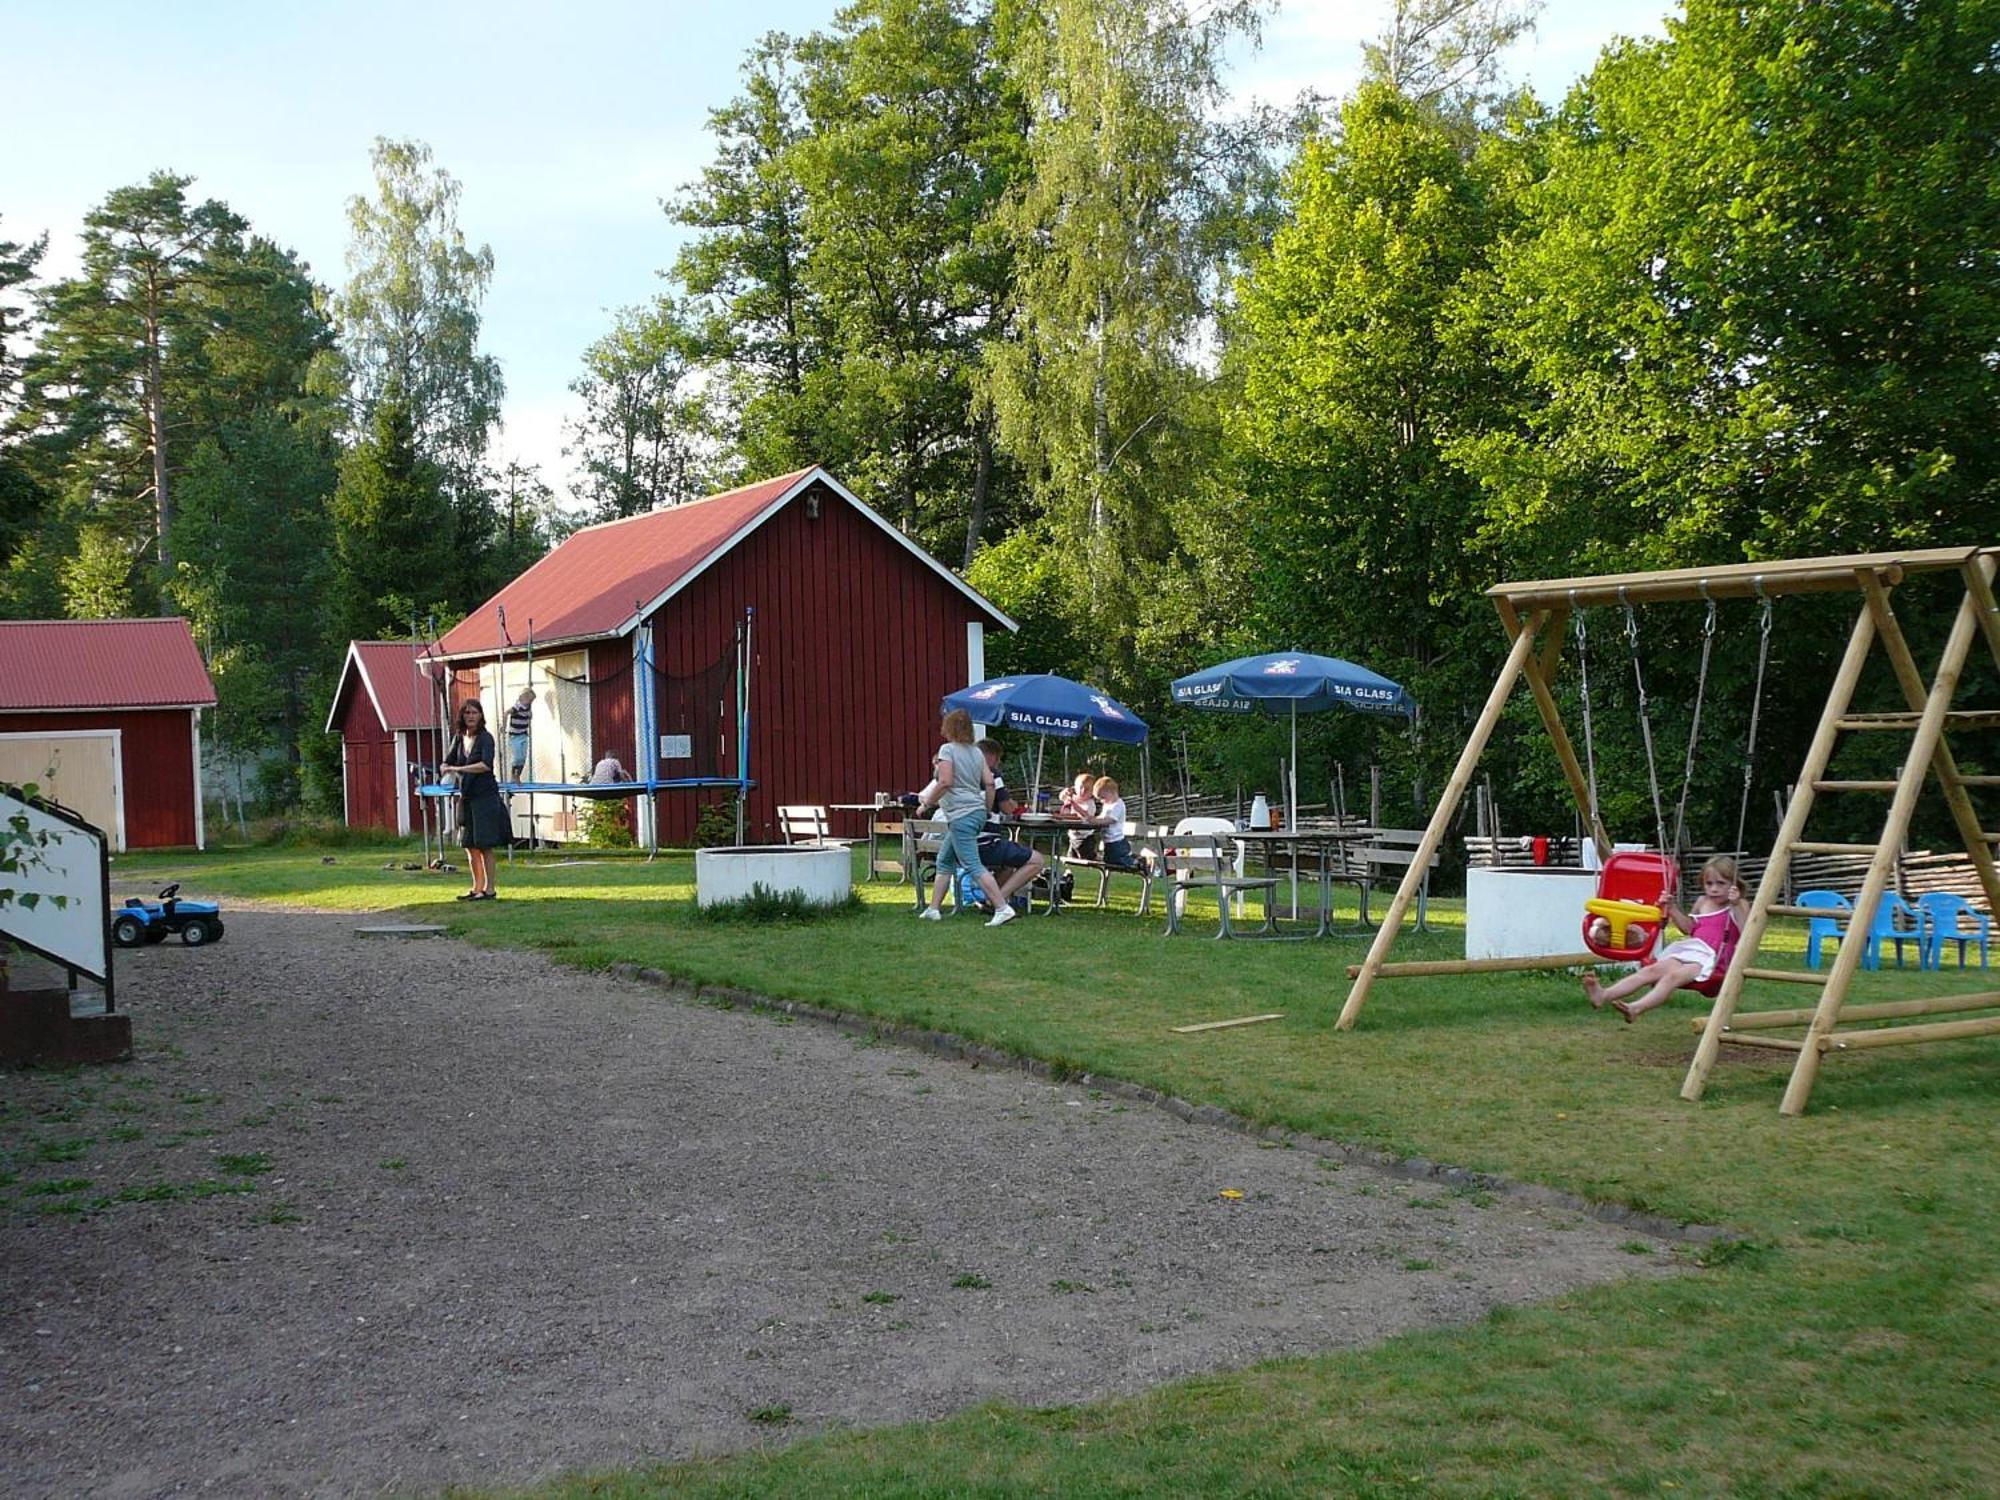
393,1215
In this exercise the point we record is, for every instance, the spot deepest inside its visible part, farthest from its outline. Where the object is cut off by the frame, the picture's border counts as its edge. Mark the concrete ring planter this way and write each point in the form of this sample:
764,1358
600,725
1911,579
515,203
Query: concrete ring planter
1525,912
822,874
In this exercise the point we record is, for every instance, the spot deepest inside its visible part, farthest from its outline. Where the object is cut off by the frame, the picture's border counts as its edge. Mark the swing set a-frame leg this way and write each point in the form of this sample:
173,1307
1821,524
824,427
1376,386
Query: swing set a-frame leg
1770,888
1924,745
1454,793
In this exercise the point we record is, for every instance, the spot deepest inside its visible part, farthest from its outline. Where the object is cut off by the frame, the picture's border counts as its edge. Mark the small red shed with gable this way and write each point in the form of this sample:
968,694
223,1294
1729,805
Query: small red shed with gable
858,633
385,712
104,716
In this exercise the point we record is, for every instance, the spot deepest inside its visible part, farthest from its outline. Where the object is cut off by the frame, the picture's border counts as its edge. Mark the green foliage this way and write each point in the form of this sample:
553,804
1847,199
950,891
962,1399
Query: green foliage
107,387
22,850
646,437
606,824
715,825
1355,380
1119,227
766,907
393,530
409,315
847,264
1753,297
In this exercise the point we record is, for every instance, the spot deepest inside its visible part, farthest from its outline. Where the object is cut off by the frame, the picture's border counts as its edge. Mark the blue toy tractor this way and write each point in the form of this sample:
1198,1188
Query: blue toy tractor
137,922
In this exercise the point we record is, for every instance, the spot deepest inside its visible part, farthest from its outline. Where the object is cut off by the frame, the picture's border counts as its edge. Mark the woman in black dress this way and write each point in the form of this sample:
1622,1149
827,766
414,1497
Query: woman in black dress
482,813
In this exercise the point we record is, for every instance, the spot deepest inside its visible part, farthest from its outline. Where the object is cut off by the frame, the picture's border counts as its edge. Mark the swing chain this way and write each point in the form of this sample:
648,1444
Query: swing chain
1694,723
1589,737
1645,719
1756,708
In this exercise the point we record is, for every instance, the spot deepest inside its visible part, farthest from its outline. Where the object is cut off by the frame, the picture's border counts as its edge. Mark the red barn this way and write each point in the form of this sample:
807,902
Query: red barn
104,716
857,633
385,713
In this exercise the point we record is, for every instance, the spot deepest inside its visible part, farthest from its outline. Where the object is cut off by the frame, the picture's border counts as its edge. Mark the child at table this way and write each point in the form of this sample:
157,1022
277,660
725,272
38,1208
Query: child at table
1110,817
1077,805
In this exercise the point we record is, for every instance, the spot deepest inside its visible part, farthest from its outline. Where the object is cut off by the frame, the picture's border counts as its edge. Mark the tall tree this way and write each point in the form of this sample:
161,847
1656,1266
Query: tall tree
916,133
409,315
746,262
645,438
251,577
21,498
114,333
1754,298
1119,231
1357,374
393,541
1445,54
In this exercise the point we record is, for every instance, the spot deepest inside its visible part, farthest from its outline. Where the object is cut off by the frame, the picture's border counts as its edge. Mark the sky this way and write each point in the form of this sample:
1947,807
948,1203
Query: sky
566,125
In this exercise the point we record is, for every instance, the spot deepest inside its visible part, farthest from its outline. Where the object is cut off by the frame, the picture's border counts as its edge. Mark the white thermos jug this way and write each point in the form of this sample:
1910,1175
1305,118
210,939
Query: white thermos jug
1260,811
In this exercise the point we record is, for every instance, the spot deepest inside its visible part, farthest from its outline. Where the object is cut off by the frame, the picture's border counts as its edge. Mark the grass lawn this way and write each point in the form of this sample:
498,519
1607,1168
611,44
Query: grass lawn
1847,1343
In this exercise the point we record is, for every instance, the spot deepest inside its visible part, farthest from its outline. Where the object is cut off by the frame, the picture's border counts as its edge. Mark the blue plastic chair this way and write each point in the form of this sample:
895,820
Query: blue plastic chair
1895,922
1820,928
1945,918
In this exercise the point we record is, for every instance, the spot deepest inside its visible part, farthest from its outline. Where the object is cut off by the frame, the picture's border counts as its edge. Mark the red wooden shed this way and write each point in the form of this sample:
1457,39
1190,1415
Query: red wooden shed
104,716
858,633
384,712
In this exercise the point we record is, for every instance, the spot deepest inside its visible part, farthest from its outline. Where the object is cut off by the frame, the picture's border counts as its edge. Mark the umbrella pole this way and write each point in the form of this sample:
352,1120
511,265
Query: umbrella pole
1035,792
1292,806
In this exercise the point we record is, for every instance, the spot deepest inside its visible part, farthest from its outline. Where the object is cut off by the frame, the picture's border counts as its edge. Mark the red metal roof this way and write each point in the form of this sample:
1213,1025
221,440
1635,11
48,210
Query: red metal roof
81,664
599,578
392,674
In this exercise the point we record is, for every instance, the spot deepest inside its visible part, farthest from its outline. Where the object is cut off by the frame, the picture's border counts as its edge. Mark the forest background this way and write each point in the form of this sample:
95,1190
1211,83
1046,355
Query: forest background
1170,381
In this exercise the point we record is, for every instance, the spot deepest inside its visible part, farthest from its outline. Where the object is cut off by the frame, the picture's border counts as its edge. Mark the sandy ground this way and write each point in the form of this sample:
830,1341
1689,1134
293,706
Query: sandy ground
393,1215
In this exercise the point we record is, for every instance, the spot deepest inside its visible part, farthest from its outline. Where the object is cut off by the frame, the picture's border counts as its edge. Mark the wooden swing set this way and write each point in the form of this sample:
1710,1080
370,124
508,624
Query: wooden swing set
1534,614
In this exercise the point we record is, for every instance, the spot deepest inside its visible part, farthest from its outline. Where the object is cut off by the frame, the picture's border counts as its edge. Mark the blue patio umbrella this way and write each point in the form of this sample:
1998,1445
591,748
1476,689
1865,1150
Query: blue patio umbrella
1044,704
1290,682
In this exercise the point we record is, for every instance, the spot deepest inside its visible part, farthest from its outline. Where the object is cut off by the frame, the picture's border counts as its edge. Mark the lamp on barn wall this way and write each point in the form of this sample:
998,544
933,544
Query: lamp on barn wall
812,505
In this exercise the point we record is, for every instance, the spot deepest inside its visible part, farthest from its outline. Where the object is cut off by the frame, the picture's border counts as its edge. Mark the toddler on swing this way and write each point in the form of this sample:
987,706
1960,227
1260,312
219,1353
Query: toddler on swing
1712,929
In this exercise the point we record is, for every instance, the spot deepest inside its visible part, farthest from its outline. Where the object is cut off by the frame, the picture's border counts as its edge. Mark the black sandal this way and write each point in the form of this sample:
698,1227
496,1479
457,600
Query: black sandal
466,896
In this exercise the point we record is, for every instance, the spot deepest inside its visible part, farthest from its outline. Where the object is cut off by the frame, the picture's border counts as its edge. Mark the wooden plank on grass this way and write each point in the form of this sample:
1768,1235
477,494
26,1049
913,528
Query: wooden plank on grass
1276,1015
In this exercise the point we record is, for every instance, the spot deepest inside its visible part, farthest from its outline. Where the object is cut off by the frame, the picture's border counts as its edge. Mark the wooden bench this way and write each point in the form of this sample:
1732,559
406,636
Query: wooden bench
806,824
1146,854
1393,850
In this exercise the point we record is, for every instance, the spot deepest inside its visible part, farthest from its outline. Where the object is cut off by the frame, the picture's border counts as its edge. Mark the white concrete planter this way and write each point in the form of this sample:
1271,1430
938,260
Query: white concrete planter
1525,913
821,874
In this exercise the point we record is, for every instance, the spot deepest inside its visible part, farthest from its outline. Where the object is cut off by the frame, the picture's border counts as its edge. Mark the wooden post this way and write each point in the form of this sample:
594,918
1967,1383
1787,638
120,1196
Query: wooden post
1923,747
1539,673
1778,870
1454,791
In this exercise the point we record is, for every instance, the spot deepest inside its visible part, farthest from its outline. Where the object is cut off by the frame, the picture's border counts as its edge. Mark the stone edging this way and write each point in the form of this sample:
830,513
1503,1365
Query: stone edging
979,1054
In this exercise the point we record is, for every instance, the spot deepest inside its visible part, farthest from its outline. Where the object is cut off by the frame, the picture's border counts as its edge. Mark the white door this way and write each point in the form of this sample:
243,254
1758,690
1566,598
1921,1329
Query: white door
80,768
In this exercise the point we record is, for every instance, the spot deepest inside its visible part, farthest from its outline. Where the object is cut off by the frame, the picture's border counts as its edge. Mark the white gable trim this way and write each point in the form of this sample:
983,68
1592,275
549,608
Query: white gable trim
353,663
810,477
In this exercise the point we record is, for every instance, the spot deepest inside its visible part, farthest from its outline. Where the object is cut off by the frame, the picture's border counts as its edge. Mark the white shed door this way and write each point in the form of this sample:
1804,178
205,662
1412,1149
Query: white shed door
78,768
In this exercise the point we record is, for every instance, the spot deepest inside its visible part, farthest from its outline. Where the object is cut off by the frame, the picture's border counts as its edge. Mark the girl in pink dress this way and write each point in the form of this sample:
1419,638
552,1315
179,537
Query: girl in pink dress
1712,929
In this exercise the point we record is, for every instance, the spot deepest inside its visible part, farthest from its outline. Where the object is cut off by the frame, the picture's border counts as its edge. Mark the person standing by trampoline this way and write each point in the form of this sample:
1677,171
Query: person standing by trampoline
482,817
964,788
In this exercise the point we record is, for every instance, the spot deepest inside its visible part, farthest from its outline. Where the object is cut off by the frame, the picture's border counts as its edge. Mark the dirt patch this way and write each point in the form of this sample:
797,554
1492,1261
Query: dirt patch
369,1216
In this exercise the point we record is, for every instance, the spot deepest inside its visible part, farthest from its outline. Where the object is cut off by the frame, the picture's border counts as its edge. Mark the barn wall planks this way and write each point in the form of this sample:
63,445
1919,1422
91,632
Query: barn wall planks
856,641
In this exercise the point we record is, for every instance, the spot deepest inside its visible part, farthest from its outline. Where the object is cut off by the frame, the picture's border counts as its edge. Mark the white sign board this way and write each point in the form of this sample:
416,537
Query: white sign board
68,923
676,747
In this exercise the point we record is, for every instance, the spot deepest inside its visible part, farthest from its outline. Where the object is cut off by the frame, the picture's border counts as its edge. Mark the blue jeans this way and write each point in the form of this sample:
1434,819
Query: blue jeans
960,850
517,754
